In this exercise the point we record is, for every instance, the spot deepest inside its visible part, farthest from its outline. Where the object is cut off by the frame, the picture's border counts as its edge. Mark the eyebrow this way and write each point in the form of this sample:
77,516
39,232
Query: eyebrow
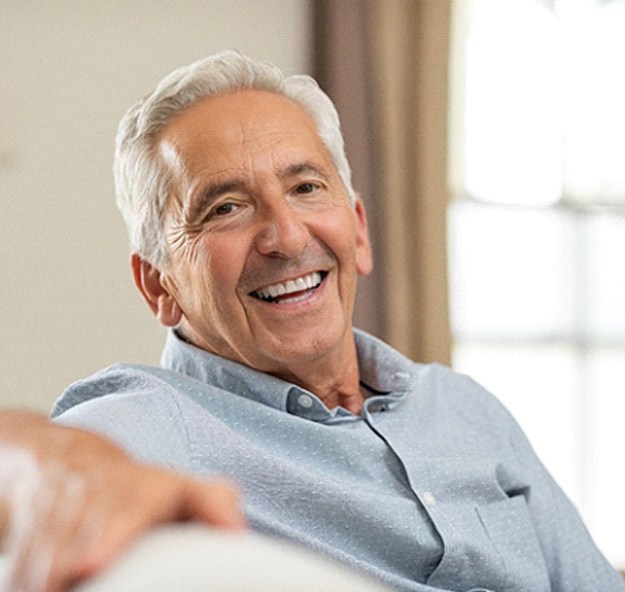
304,167
209,194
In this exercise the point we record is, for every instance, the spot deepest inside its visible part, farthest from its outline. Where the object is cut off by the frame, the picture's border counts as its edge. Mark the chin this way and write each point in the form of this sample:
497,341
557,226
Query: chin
308,347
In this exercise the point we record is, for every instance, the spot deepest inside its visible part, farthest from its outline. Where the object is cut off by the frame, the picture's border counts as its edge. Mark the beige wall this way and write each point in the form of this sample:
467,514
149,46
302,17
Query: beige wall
68,71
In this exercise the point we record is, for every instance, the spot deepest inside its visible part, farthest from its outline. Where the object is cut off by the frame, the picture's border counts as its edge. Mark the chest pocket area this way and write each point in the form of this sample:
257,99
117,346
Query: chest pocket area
508,526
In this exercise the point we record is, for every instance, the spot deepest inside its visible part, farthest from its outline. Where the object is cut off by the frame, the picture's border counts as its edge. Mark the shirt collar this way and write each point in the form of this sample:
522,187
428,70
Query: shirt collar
383,371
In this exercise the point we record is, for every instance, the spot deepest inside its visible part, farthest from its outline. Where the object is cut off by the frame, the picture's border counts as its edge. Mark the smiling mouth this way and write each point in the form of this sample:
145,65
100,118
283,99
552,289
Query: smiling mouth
292,290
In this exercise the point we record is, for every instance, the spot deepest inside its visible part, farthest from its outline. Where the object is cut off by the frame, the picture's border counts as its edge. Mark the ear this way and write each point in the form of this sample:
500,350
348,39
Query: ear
152,284
364,260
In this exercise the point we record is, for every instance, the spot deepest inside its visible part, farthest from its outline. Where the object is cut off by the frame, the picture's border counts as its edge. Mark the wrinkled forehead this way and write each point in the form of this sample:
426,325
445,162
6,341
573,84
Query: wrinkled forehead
240,129
231,117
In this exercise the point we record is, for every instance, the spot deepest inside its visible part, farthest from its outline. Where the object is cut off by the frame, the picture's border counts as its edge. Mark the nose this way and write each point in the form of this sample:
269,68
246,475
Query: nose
282,231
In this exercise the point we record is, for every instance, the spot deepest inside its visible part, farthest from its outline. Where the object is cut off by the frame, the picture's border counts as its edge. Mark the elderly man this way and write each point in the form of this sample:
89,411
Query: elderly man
247,242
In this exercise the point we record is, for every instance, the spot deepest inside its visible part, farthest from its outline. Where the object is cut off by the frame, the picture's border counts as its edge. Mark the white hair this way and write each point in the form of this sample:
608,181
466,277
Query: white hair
142,180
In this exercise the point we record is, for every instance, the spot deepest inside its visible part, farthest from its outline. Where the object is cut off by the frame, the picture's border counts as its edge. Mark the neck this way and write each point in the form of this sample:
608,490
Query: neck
334,379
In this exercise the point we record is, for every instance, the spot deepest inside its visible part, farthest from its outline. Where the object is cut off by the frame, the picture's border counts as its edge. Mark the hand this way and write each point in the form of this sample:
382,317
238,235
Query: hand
72,501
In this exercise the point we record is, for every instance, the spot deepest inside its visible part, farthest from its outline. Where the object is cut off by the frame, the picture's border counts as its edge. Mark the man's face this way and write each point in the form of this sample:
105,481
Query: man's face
264,244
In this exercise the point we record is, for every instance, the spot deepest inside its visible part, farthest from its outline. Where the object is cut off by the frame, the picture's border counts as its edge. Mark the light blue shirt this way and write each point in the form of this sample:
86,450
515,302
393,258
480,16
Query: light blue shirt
433,487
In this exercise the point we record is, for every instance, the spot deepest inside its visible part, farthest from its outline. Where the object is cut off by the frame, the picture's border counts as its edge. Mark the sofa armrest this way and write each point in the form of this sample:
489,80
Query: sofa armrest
194,558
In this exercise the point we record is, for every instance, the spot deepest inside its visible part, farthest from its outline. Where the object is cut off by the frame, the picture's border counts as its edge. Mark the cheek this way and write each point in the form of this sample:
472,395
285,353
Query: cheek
221,264
339,234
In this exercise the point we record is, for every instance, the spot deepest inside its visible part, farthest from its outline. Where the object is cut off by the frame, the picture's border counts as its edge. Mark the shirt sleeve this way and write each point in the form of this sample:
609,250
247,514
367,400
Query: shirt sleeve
138,411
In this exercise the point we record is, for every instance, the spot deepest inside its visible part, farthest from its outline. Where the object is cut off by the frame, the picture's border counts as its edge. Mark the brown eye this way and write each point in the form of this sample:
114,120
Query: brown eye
306,188
224,209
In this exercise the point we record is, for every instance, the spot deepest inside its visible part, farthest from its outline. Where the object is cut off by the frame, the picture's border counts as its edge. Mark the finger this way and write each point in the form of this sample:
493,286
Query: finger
218,503
166,498
81,529
54,534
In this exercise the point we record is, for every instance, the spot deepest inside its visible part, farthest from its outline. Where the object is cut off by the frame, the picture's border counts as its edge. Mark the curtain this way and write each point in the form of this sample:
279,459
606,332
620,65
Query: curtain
385,65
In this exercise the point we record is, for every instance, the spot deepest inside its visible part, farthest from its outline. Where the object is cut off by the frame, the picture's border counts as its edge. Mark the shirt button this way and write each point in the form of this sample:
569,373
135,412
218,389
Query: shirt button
305,401
401,376
429,499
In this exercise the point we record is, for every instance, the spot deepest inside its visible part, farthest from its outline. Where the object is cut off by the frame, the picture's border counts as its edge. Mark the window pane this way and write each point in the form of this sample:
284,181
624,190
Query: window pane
542,120
594,109
511,272
513,143
606,282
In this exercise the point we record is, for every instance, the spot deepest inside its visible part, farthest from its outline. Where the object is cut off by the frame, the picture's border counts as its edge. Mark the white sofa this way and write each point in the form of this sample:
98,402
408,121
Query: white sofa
193,558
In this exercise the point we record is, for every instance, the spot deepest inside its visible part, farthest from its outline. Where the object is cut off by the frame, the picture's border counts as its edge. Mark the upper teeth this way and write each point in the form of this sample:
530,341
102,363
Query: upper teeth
297,285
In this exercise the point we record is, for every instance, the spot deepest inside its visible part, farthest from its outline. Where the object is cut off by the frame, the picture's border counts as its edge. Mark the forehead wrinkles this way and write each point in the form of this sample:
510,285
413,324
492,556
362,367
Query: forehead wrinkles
246,161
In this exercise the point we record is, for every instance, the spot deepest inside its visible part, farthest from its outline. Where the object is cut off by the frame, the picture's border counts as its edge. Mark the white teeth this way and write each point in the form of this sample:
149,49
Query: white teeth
297,285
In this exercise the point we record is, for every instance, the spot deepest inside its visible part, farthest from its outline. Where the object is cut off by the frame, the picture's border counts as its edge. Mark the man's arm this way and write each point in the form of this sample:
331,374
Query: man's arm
70,501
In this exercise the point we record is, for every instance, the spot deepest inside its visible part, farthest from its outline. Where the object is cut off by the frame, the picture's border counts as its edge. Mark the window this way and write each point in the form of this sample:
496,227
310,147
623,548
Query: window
537,233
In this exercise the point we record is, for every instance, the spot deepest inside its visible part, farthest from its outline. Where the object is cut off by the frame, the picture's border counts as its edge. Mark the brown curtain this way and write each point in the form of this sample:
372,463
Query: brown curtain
385,64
